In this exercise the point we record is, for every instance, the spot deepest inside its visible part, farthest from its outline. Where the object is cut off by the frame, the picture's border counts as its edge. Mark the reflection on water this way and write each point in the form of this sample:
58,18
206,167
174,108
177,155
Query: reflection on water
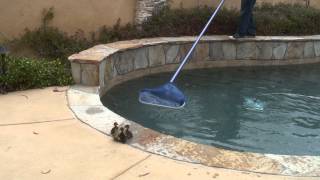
253,104
268,110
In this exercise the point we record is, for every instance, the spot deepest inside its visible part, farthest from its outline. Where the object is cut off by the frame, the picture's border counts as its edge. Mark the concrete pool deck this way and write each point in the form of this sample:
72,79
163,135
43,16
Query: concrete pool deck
41,139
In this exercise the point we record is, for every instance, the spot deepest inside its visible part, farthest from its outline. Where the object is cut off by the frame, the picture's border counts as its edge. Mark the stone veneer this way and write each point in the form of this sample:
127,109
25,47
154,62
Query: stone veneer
109,64
146,8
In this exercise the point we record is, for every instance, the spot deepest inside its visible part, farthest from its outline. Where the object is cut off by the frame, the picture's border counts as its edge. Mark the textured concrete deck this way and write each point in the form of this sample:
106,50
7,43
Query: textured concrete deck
41,139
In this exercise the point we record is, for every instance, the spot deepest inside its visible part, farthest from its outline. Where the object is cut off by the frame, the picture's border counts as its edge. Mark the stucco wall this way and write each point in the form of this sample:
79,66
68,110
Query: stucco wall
70,15
88,15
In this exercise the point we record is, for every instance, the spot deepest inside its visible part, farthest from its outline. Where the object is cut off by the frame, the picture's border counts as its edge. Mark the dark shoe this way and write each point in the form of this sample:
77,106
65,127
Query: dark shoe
237,36
250,36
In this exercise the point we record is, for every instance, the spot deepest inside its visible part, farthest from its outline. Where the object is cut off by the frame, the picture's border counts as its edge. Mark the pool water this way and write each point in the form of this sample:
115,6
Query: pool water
260,109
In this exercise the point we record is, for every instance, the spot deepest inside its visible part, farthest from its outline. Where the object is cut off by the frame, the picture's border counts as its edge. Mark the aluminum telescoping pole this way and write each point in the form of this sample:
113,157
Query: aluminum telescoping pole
196,42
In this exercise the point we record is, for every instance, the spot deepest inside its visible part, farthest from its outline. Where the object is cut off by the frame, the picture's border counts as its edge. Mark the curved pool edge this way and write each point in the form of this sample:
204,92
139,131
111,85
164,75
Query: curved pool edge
85,103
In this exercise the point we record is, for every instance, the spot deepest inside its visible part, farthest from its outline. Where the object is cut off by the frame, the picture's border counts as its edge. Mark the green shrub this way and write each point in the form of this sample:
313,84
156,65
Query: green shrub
50,42
117,33
178,22
280,19
284,19
26,73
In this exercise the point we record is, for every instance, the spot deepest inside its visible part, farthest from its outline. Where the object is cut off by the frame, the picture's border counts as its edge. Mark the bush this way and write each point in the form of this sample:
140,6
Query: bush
280,19
117,33
179,22
284,19
26,73
50,42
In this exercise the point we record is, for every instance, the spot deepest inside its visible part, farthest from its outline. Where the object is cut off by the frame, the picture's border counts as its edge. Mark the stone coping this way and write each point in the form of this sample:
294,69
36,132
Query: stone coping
85,102
100,52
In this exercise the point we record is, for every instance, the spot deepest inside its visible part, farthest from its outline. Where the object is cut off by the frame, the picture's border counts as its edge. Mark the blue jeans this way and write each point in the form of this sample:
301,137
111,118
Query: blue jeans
247,25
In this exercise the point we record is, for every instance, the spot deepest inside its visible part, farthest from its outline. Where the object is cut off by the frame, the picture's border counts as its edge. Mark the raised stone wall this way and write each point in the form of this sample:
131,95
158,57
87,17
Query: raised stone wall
110,64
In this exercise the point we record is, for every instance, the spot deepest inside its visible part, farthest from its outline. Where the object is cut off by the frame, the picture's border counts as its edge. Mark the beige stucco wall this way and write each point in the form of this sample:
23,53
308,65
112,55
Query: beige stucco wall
70,15
88,15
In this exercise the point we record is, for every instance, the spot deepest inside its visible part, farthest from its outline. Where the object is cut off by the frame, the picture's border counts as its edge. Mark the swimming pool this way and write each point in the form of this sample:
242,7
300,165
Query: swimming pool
260,109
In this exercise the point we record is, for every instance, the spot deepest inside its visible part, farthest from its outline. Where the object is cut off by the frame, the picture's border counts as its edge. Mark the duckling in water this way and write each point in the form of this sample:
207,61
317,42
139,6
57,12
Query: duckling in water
127,132
115,131
122,137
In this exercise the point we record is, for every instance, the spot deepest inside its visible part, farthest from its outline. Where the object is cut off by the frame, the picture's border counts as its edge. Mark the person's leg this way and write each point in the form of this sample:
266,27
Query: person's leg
252,27
246,17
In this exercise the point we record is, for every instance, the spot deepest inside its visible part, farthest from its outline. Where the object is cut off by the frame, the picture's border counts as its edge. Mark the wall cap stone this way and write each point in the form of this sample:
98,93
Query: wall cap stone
98,53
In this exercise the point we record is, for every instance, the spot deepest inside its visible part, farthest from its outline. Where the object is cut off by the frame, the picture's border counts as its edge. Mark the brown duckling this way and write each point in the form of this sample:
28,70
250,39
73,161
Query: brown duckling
115,131
122,137
127,132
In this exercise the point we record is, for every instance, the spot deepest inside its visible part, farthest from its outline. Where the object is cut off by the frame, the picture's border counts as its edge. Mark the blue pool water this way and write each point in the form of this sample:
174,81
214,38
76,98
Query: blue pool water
262,109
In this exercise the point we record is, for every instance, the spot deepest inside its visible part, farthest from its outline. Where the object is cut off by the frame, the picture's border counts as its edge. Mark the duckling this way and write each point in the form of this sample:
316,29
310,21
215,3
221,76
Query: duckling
122,137
115,131
127,132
